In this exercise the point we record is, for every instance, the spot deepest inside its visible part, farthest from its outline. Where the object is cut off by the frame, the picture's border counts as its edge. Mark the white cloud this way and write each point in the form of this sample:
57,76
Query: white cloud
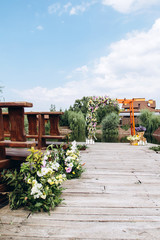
67,6
124,6
40,28
54,8
82,69
81,8
70,8
131,69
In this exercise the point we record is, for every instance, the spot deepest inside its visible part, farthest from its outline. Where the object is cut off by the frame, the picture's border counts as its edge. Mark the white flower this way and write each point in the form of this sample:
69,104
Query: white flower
43,196
70,165
55,166
39,174
44,162
74,146
36,196
47,153
34,182
36,189
45,157
69,152
68,159
44,171
60,181
29,181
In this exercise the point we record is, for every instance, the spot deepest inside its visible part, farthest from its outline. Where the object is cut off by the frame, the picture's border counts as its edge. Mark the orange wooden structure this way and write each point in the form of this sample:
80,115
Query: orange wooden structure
131,108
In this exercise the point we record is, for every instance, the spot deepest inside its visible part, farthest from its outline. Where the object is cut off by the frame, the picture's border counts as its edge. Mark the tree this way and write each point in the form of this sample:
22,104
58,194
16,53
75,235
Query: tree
105,110
52,108
110,127
149,120
64,119
80,105
77,125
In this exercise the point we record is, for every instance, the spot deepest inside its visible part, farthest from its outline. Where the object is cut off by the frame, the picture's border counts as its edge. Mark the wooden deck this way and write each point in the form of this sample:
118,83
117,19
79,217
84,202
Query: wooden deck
118,197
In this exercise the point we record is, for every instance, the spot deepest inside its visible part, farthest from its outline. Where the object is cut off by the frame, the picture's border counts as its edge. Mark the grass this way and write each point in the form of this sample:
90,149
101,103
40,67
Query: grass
156,149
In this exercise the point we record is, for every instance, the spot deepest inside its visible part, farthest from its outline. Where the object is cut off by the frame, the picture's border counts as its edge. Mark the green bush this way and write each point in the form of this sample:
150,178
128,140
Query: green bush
77,125
80,105
125,127
156,148
110,127
149,120
104,110
64,119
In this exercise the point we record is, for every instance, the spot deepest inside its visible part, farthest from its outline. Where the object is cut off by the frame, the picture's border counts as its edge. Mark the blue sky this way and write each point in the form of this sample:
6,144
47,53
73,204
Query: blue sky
53,52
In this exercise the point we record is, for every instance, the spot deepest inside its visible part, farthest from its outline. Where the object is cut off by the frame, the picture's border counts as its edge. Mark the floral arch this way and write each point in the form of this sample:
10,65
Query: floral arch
91,118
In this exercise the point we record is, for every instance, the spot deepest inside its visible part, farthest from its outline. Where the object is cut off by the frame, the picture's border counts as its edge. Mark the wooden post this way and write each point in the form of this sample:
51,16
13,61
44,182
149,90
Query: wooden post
2,149
41,131
54,124
6,123
131,120
16,117
32,124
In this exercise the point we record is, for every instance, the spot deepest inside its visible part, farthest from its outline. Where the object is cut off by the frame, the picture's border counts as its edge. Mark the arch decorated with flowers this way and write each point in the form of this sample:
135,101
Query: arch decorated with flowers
91,117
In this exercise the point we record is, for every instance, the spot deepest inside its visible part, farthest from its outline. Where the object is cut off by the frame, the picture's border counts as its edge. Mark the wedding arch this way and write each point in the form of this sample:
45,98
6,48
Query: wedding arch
93,105
91,117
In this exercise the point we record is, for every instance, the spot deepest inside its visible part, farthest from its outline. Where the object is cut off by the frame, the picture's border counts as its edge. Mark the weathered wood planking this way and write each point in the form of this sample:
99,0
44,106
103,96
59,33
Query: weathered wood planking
118,197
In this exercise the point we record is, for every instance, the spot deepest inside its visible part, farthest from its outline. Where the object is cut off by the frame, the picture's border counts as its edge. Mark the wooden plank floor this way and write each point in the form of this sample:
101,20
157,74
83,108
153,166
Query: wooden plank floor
118,197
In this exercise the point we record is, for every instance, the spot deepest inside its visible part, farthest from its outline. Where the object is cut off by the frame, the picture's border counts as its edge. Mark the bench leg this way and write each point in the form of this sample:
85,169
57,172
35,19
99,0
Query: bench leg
41,131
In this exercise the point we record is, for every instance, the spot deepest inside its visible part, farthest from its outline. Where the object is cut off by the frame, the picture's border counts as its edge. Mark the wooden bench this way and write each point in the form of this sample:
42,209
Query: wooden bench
13,125
37,120
36,127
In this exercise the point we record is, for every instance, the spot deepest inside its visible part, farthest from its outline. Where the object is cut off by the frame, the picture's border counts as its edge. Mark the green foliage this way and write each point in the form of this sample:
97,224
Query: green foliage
80,105
125,127
52,108
81,146
73,166
156,148
77,125
149,120
110,127
26,124
104,110
69,160
5,110
37,185
47,127
64,119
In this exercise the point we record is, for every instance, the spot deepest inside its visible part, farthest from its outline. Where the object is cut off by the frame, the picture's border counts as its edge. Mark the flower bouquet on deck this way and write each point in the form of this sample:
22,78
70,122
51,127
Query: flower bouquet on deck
133,139
37,186
140,132
69,160
72,163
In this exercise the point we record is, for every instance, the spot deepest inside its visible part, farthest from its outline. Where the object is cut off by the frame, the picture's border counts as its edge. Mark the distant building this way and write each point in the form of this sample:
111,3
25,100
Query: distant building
138,105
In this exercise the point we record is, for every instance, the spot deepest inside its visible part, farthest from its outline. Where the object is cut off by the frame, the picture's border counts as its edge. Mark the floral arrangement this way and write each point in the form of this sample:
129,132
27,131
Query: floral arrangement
133,138
73,166
91,118
140,129
37,185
